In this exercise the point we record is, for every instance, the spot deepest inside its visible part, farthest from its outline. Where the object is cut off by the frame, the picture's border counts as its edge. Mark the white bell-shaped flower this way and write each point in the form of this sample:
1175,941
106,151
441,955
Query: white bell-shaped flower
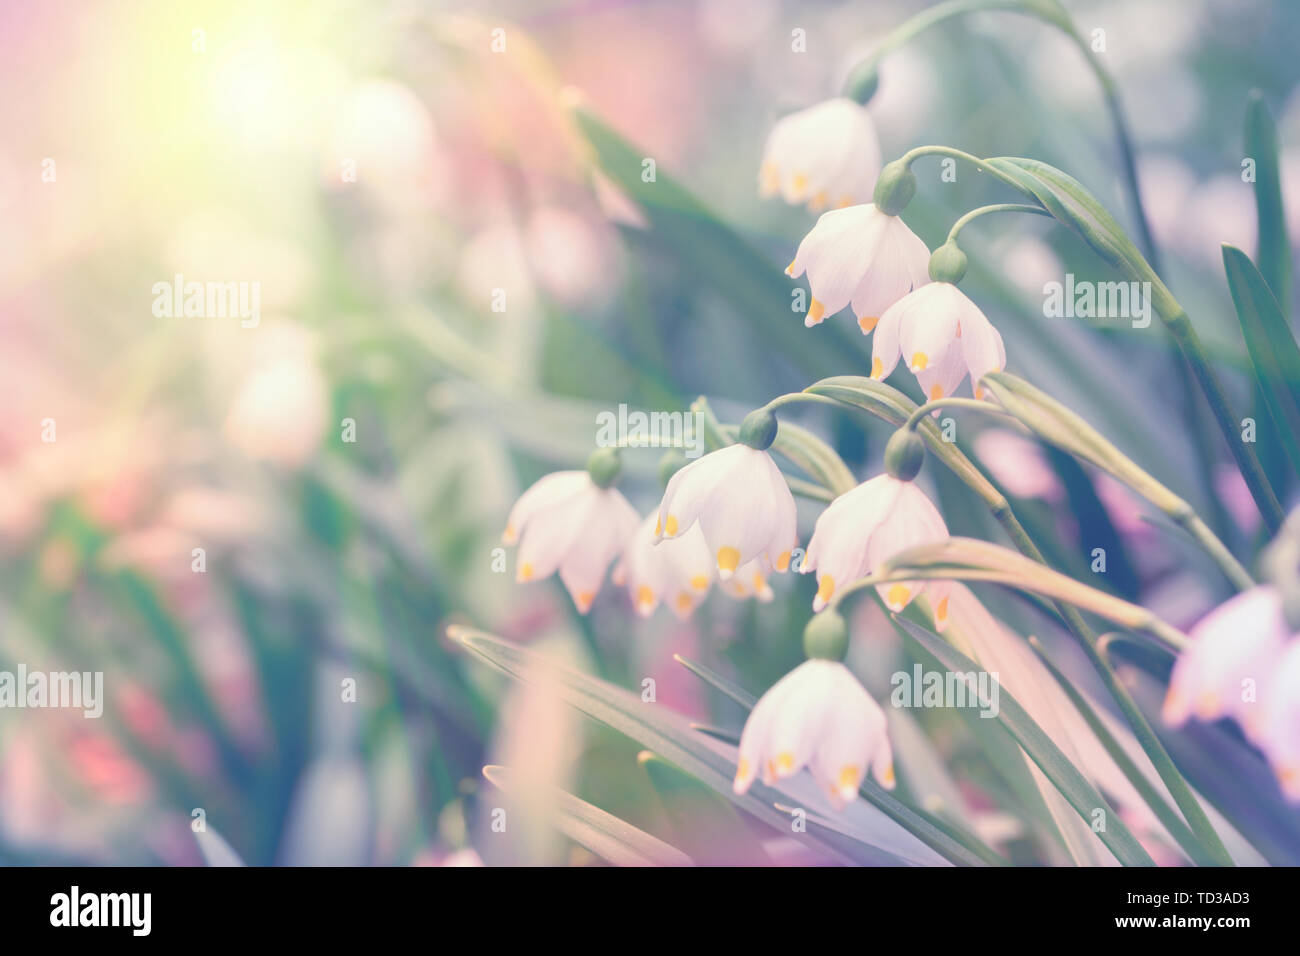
864,528
942,336
567,522
825,155
742,504
859,256
818,716
677,572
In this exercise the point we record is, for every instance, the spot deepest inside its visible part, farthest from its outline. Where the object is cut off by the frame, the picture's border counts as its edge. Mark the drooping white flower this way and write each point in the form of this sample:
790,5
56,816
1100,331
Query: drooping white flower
749,581
567,522
859,256
1231,655
941,335
818,716
742,504
865,527
1278,731
825,155
677,572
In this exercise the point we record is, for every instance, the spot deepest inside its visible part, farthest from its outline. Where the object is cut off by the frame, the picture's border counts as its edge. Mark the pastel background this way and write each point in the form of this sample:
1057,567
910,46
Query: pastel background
146,139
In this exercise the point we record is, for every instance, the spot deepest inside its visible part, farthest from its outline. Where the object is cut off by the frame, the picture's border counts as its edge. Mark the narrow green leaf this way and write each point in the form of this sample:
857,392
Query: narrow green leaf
1274,252
1067,778
1273,352
708,826
604,834
1167,815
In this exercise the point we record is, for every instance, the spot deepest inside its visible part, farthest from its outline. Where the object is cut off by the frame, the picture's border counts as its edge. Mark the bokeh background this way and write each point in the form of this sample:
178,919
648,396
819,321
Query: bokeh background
212,139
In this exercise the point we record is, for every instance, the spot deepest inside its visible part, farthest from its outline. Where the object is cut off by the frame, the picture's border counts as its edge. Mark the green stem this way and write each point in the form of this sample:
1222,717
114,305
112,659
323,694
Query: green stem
1051,13
951,401
961,223
935,150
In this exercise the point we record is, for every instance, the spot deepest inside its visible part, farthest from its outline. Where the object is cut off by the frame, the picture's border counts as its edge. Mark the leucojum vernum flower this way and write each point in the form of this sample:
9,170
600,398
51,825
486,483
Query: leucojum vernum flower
888,580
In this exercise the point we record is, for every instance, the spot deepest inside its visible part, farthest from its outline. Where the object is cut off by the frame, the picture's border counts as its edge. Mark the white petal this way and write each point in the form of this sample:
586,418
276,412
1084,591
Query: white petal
543,494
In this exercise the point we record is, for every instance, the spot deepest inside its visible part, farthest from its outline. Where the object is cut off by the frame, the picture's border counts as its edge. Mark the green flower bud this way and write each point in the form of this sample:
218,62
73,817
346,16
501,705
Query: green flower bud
904,454
826,636
604,466
862,83
948,264
895,188
669,465
758,430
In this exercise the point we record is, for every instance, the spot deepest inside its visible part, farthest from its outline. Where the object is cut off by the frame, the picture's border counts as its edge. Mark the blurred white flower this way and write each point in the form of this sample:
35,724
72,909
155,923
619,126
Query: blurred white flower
567,522
862,257
742,504
279,412
865,527
1278,733
383,139
1234,647
817,716
677,571
825,155
573,259
941,335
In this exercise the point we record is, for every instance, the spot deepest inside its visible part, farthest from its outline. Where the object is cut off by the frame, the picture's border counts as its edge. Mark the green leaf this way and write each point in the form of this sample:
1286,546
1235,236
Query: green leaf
713,763
1273,352
968,559
604,834
1074,786
1274,243
1167,815
1070,202
709,826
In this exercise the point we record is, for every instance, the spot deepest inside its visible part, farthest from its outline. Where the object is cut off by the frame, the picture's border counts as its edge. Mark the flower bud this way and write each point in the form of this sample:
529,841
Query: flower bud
603,466
826,636
948,263
904,454
758,430
894,188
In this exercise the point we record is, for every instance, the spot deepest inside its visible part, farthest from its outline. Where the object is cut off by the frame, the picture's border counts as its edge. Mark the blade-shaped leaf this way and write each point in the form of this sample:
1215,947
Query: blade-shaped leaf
1273,352
604,834
1067,778
714,763
1274,252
